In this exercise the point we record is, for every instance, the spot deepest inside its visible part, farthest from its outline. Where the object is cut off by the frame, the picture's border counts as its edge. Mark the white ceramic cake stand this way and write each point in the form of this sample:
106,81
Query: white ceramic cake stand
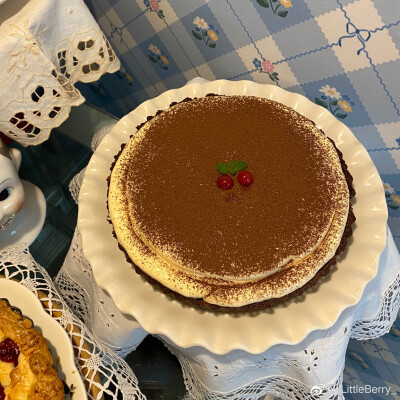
221,333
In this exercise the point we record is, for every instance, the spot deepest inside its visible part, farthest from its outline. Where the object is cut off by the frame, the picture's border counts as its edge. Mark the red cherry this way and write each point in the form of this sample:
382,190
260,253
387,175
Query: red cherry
225,182
2,394
245,178
9,351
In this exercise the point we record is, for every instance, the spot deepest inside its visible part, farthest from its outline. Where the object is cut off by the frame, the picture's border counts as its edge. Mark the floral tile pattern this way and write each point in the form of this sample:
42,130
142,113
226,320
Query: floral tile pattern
158,57
332,100
274,5
207,33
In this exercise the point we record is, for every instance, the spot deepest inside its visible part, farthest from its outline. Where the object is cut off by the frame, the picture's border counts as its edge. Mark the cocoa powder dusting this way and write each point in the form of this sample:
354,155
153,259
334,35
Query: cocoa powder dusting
243,231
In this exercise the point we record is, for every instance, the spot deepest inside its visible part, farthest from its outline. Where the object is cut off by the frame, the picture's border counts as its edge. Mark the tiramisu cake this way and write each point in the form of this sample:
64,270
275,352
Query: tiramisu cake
231,201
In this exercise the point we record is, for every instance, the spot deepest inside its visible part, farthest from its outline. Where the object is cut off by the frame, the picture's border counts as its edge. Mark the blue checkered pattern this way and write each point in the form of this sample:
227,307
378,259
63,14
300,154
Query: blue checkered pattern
341,54
376,363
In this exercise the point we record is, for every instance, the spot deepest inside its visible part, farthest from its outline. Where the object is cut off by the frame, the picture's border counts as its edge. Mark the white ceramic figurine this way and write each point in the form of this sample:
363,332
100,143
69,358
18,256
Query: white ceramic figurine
11,189
22,204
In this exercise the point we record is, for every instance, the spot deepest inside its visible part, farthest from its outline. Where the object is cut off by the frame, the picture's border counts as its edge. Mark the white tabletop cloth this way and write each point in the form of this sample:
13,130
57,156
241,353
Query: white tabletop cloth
46,46
311,369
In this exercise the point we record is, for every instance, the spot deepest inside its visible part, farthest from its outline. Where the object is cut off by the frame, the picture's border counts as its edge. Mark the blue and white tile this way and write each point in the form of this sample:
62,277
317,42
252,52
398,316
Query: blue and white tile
333,25
389,74
231,62
390,133
222,45
389,11
126,11
183,8
303,66
158,23
300,39
356,114
318,7
369,136
295,12
373,95
269,49
244,16
206,72
394,32
234,32
287,79
384,162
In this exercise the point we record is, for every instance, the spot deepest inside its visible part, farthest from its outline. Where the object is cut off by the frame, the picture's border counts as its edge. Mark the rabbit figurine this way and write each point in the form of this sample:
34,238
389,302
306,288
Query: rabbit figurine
12,196
22,204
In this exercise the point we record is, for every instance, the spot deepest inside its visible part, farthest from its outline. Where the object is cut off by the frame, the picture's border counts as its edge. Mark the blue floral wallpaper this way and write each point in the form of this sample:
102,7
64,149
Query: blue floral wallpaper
342,54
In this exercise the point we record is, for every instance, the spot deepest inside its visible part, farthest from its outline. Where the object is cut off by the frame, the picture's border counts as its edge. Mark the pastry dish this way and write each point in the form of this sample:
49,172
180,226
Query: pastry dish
231,201
26,365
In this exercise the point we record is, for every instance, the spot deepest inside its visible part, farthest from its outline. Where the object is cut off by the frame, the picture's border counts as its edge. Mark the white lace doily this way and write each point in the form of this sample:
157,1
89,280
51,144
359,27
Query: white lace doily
310,370
104,373
46,46
94,306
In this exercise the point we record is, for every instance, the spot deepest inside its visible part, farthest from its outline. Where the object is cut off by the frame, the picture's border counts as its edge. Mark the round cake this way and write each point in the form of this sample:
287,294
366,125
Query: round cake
274,223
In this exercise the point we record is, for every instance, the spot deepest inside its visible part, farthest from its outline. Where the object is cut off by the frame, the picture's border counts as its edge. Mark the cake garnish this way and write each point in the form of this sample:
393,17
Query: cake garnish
245,178
233,167
9,351
222,168
2,394
225,182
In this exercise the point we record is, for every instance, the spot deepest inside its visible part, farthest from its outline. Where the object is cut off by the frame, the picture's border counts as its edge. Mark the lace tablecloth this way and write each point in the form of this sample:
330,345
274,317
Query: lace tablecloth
46,46
105,374
312,369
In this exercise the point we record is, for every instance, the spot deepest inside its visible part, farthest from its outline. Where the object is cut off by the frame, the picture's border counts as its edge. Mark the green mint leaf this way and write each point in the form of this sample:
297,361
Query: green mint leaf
241,165
222,168
232,167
